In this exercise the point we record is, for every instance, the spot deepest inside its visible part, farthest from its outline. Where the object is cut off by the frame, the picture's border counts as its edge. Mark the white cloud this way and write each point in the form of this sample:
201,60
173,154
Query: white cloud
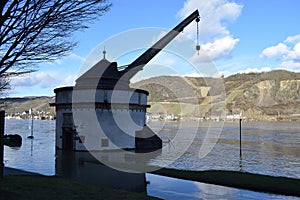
220,48
295,53
287,51
292,39
217,41
72,56
43,79
255,70
194,74
69,80
214,16
290,65
274,51
76,57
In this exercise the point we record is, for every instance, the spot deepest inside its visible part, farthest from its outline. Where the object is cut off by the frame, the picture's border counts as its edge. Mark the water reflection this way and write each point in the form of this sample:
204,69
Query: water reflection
84,167
241,164
35,155
177,189
31,148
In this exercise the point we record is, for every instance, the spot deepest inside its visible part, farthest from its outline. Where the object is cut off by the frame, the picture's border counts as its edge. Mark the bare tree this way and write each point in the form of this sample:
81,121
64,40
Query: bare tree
34,31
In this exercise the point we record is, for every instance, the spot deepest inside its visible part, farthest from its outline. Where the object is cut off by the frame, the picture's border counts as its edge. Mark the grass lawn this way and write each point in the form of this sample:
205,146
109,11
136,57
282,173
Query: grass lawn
43,187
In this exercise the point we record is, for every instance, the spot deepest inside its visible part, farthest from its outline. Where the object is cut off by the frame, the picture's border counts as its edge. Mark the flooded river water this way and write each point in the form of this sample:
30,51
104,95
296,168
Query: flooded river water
270,148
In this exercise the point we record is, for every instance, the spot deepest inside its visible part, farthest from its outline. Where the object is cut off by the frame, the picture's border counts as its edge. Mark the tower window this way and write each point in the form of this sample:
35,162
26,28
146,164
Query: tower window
104,143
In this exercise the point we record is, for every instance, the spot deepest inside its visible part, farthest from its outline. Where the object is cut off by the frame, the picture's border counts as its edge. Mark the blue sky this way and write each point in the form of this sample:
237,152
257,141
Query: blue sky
238,36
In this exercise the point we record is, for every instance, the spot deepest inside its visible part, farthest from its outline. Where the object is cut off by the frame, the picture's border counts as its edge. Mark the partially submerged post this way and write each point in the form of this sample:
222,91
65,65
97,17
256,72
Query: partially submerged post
240,138
241,158
31,135
2,121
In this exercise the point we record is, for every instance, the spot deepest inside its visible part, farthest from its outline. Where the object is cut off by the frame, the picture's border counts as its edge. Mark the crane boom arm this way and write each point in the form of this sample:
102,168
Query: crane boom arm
142,60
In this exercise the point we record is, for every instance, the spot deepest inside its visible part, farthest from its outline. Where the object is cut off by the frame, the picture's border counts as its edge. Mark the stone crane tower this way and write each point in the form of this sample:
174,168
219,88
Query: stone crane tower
102,112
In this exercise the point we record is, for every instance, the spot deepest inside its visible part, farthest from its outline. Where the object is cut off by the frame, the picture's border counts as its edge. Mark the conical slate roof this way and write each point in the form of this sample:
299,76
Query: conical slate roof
104,74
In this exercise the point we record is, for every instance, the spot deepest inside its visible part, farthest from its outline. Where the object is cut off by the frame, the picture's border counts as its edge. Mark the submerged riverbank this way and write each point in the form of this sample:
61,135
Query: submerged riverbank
19,184
242,180
52,187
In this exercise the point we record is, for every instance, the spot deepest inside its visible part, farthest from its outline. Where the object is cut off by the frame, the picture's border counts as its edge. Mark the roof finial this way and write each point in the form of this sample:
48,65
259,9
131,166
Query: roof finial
104,52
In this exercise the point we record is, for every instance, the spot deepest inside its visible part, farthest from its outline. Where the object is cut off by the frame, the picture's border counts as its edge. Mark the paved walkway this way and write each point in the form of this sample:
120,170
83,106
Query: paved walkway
13,172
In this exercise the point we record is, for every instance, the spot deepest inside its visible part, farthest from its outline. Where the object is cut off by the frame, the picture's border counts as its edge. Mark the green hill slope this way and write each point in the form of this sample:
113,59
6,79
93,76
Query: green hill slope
253,94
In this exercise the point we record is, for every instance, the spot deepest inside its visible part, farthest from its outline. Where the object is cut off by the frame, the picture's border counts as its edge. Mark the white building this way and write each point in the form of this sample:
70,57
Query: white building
101,112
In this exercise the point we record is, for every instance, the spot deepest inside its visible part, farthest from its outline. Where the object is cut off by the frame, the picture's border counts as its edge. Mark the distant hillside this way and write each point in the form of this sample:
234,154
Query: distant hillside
20,105
274,93
271,93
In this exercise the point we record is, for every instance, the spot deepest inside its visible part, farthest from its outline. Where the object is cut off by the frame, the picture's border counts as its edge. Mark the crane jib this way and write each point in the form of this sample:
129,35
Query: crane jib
142,60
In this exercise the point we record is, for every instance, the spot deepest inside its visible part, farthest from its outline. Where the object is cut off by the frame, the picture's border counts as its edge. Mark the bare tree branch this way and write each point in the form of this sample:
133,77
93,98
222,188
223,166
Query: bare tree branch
34,31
